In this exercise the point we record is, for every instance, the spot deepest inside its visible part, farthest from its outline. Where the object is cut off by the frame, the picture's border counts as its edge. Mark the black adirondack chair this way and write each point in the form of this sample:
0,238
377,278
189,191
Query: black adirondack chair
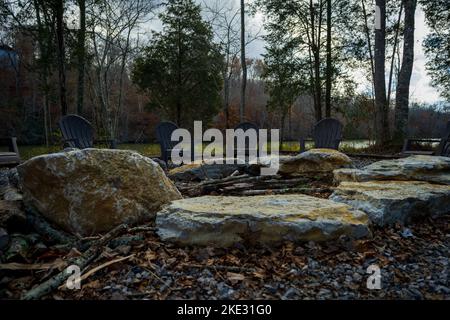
326,134
247,126
11,157
164,136
442,150
78,133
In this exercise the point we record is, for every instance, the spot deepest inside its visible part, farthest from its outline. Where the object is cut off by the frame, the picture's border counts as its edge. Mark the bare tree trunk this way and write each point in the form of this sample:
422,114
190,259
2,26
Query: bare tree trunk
81,55
329,71
226,107
394,50
179,80
369,46
243,64
404,77
58,7
316,56
290,122
43,75
283,120
382,112
58,10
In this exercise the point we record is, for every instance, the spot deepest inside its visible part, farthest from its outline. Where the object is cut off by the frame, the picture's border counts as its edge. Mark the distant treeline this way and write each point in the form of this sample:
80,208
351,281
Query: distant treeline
98,59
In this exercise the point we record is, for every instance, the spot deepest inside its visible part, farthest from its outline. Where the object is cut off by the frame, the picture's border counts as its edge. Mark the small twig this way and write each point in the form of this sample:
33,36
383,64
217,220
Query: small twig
100,267
219,268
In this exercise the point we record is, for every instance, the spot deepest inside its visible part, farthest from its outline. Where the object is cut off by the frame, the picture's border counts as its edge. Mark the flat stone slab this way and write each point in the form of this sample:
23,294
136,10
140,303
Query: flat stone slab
269,220
415,168
389,202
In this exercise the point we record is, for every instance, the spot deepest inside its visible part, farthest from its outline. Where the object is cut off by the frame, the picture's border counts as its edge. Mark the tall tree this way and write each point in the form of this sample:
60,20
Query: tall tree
329,66
81,52
58,12
437,44
243,64
113,23
305,23
224,19
181,68
315,43
382,111
283,80
404,77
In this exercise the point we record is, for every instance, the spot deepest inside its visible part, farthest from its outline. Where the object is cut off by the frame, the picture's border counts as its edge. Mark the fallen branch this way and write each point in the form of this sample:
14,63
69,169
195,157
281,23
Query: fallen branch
43,228
283,191
227,179
219,268
82,262
34,266
141,229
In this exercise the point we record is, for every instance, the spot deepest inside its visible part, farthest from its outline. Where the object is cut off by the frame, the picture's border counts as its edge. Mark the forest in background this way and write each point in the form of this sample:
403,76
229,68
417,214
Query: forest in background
93,58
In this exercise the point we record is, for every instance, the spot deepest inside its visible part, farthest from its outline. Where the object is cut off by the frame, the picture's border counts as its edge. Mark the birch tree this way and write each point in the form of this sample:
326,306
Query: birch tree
114,24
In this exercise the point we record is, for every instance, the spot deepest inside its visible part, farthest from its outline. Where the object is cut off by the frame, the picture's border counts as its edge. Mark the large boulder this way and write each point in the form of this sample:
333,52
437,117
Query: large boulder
268,220
417,168
389,202
322,161
91,191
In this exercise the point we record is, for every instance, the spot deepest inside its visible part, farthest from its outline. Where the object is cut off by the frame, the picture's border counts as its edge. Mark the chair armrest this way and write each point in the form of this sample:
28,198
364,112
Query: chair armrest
303,144
424,140
337,142
11,143
407,143
75,140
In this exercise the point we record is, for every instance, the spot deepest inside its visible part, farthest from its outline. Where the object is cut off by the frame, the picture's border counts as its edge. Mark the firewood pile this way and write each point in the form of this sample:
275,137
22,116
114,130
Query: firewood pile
247,185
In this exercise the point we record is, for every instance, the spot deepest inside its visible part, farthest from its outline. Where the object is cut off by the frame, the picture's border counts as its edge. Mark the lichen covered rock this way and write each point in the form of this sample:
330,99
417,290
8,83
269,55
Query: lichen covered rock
414,168
322,161
390,202
91,191
269,220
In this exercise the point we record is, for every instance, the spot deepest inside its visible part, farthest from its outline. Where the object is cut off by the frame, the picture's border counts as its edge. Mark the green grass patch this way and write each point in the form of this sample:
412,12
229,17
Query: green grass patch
153,150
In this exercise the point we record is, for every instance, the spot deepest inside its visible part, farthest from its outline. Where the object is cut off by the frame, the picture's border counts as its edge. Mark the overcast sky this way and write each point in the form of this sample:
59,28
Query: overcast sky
421,90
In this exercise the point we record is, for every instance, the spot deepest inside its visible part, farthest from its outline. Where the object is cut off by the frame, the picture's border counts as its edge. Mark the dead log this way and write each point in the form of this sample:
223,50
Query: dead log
44,229
282,191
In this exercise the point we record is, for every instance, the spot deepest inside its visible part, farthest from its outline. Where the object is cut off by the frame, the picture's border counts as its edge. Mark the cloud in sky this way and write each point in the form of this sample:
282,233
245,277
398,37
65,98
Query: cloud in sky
421,89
